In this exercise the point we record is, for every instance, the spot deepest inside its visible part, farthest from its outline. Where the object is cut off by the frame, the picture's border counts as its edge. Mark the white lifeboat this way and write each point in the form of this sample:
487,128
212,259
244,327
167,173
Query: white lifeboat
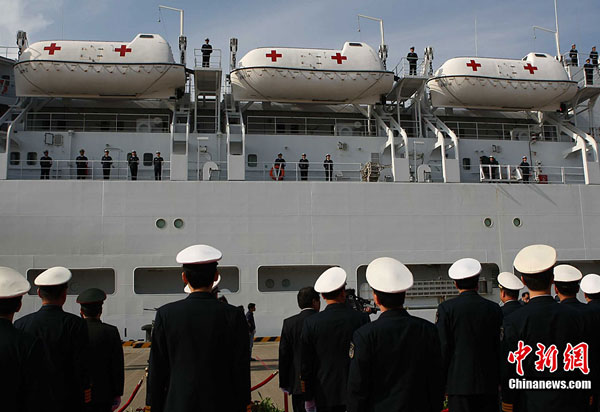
353,74
537,82
143,68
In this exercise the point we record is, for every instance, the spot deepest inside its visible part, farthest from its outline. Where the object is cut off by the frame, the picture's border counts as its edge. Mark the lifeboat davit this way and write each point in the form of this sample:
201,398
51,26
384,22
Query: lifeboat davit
354,74
537,82
143,68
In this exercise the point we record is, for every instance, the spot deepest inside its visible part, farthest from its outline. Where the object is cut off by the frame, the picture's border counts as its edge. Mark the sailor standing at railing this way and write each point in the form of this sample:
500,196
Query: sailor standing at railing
106,164
81,162
573,56
45,165
134,162
206,52
588,67
328,165
594,56
279,167
525,169
412,58
157,162
303,165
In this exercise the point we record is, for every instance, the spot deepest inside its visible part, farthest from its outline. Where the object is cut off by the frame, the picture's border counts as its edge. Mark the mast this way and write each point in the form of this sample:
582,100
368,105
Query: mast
182,38
383,49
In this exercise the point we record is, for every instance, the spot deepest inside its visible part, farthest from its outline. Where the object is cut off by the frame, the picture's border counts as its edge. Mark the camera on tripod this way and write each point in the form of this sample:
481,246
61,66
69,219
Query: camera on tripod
360,304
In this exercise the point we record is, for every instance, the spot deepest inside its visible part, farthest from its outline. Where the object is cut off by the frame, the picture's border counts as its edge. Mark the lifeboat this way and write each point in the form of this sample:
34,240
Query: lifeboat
537,82
143,68
354,74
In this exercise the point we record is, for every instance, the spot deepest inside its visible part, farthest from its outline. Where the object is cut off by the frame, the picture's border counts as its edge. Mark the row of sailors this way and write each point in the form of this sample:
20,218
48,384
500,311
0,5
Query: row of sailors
334,360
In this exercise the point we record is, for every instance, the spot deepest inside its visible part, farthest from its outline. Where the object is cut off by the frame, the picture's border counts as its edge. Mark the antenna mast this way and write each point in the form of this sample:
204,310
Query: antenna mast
556,32
383,49
182,38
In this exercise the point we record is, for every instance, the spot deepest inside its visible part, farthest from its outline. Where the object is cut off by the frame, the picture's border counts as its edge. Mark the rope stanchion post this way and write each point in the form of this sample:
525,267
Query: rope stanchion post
285,402
263,383
135,391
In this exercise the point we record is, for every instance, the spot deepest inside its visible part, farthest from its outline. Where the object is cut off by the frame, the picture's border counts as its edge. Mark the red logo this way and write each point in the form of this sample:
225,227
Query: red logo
576,357
547,358
519,356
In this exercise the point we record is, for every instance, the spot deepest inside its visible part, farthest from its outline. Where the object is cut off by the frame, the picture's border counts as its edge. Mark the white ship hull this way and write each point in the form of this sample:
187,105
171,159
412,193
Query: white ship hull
296,85
52,78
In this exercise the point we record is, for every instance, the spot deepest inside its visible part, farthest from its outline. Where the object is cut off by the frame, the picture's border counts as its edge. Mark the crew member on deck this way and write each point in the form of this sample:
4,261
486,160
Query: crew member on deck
328,166
396,360
573,56
251,326
494,167
157,163
24,373
105,353
588,67
199,360
525,169
303,165
326,338
590,285
594,56
134,162
106,164
290,346
45,165
510,285
206,52
65,338
469,327
81,162
412,58
279,167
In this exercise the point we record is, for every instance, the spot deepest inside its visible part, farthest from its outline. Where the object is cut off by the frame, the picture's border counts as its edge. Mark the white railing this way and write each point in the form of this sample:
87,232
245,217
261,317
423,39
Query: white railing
532,174
327,126
213,61
92,170
9,52
503,131
97,122
405,68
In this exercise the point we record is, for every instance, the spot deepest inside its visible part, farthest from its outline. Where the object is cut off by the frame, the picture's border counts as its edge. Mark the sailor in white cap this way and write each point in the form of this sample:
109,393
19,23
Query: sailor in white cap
541,321
328,166
566,285
303,165
469,328
510,285
590,285
213,334
157,163
65,337
23,373
401,352
326,338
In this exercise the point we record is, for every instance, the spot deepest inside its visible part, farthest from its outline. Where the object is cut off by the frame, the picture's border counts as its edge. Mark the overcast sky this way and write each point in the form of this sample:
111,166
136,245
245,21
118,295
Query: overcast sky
504,27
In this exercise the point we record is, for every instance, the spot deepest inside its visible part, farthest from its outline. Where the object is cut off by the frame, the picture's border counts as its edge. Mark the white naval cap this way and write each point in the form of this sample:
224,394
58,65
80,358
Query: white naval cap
388,275
12,283
332,279
199,254
590,284
187,288
567,273
464,268
509,281
535,259
55,276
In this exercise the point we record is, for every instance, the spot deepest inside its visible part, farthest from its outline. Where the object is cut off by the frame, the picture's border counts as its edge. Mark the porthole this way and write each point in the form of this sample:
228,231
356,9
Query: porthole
488,222
285,283
178,223
270,283
517,222
161,223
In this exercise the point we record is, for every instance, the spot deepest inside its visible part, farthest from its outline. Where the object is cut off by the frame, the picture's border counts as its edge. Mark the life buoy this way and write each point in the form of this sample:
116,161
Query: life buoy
277,173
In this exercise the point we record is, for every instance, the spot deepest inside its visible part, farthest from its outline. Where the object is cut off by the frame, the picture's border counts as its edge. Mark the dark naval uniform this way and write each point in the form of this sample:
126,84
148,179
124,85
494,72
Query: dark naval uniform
510,306
199,359
106,164
396,366
289,357
326,338
45,165
81,162
24,385
543,321
303,165
157,162
65,339
593,308
134,162
106,364
328,166
412,58
469,327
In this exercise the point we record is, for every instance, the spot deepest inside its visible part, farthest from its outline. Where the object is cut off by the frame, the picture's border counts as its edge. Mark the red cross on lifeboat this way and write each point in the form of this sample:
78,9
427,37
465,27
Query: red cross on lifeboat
531,68
339,58
52,48
122,50
473,65
273,55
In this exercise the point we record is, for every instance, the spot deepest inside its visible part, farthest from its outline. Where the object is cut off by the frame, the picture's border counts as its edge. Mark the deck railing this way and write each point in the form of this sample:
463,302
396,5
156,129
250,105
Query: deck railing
97,122
533,174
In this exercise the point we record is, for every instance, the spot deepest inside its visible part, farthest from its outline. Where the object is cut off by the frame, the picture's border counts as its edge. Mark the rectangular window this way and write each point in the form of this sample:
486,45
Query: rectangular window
103,278
15,158
288,278
148,158
252,160
31,158
167,280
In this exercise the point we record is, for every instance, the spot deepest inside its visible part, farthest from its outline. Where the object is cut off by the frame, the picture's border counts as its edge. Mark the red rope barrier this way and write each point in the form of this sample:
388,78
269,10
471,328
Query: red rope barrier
263,383
135,391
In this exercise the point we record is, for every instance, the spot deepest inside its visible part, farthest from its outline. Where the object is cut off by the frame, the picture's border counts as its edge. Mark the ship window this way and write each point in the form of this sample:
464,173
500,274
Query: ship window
146,36
148,158
431,280
252,160
167,280
288,278
15,158
540,55
355,44
31,158
103,278
466,162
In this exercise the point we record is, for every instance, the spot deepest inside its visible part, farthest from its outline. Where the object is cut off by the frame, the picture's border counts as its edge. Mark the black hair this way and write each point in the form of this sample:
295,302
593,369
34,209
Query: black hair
251,305
9,306
468,283
524,293
537,281
200,275
91,310
333,295
306,296
511,293
52,292
567,288
390,300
